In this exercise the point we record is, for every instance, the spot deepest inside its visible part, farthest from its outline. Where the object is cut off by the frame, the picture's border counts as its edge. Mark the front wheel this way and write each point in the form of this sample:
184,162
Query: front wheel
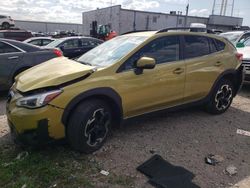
89,125
221,98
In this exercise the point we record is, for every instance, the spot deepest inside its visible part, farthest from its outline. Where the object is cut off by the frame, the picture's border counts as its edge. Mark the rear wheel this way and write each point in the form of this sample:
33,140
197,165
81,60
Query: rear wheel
89,125
6,25
221,98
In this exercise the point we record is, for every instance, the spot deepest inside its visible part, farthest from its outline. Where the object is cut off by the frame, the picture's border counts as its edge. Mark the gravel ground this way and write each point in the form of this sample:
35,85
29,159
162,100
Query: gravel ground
183,138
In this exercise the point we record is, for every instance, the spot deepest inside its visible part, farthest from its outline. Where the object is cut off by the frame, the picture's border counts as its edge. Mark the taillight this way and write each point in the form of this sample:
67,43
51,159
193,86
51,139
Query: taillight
239,56
58,53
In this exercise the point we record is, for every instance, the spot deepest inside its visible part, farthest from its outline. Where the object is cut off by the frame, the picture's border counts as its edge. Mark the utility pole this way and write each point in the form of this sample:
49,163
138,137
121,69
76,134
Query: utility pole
222,6
225,8
187,9
213,7
232,11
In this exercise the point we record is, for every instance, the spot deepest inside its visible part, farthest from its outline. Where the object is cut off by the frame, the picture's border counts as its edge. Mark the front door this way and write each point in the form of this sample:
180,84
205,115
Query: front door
157,88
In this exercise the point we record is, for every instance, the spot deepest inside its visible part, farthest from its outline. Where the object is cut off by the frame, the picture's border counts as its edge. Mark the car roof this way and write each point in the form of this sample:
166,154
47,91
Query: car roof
24,46
14,31
35,38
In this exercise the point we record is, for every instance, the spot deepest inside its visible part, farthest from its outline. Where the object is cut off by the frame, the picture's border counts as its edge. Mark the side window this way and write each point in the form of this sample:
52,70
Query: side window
36,42
212,45
5,48
196,46
244,37
84,42
219,45
46,41
163,50
72,43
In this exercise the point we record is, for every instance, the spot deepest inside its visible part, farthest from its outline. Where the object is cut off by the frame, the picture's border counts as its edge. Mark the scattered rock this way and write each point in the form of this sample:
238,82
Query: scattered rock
231,170
213,159
24,186
105,173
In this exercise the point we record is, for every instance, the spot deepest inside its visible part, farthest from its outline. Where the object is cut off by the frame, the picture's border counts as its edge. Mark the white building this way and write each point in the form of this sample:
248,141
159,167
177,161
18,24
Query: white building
124,20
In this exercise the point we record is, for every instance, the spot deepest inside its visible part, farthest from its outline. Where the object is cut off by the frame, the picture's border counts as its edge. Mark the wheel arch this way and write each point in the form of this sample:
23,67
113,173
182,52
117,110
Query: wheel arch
107,94
232,75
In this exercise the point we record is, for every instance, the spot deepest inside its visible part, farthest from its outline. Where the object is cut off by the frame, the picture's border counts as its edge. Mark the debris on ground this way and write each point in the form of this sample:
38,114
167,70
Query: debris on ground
243,132
22,155
105,173
163,174
231,170
24,186
213,159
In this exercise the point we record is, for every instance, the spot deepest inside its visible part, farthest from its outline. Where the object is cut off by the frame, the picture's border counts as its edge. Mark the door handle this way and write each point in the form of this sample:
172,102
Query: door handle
77,50
178,71
218,63
13,57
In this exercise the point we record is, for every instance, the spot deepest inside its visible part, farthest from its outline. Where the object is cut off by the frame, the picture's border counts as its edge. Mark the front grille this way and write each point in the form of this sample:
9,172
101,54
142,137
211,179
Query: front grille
246,64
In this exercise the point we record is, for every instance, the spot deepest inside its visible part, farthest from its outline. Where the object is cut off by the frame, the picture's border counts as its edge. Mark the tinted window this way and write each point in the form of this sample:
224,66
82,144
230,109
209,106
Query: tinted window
219,45
5,48
163,50
212,44
196,46
73,43
36,42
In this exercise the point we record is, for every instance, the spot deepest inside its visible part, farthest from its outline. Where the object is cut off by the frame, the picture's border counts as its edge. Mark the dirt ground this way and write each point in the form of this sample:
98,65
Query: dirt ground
183,138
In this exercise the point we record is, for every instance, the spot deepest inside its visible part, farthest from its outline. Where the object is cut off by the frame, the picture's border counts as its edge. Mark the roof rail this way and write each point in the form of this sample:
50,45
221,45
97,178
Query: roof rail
136,31
190,29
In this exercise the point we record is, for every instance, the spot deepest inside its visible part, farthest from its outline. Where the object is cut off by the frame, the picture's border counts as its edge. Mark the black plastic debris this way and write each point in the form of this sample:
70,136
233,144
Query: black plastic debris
165,175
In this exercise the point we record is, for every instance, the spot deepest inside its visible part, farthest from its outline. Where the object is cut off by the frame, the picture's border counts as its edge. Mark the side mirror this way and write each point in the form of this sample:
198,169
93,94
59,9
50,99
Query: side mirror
240,45
145,63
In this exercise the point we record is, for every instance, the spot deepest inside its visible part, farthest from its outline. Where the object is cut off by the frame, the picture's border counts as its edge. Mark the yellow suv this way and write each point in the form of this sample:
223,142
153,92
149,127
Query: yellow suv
130,75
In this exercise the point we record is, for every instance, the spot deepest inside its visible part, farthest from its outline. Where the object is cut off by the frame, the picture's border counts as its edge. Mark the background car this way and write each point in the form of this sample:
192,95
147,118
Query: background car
6,22
73,47
39,41
244,48
236,36
19,35
16,57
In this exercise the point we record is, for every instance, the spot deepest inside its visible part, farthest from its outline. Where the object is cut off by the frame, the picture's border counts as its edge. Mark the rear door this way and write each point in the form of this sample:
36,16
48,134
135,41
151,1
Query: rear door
204,63
71,48
10,56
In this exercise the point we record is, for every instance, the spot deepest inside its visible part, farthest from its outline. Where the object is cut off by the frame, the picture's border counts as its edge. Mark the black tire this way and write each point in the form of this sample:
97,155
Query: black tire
221,98
89,125
5,25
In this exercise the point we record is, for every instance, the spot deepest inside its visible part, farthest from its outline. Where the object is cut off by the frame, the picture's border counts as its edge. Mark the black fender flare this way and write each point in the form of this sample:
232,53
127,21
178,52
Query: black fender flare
102,92
237,78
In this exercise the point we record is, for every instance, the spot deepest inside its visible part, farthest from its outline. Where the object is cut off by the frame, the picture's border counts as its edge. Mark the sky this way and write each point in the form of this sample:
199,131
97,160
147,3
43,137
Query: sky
70,10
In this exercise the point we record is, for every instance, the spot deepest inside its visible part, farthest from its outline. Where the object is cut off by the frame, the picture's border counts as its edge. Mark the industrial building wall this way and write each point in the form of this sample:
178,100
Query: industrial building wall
37,26
140,20
124,20
109,15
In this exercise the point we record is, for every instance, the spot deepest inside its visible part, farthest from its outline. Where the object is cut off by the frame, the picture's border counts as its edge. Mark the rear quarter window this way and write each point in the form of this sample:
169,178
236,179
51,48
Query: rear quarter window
219,45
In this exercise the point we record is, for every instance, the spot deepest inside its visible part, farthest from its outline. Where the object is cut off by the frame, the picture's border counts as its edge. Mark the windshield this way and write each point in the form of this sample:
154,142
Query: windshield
231,36
111,51
55,43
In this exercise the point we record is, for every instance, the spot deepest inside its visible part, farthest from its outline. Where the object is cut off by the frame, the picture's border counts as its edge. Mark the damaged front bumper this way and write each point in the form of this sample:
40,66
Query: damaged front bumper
34,126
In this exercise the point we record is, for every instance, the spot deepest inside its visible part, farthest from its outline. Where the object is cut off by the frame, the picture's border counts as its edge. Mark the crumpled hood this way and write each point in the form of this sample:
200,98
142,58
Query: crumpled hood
51,73
245,51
